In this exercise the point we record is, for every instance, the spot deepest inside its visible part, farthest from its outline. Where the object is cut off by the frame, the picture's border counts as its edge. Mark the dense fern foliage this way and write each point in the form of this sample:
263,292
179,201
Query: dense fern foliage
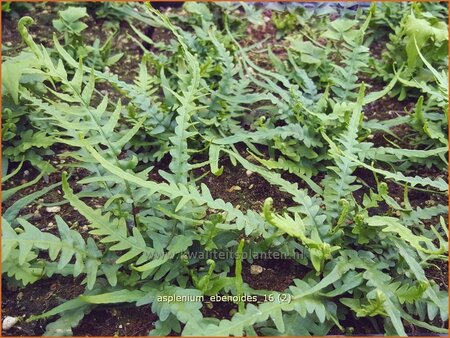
293,109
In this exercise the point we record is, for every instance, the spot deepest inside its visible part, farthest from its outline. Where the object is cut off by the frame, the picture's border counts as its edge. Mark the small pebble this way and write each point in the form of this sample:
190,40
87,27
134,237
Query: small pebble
54,209
256,269
251,187
249,173
26,173
19,296
234,188
50,225
9,322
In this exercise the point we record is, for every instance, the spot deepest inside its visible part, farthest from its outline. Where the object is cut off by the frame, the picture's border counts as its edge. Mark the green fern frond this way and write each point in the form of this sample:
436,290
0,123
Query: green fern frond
70,245
112,230
339,183
391,224
319,250
355,58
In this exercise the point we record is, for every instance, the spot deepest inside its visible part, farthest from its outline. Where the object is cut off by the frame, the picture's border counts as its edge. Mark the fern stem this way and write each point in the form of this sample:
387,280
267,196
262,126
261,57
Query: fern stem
238,275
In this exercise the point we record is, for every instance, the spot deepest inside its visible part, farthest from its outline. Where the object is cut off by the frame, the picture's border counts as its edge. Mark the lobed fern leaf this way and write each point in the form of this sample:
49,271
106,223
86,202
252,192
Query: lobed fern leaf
71,244
339,183
113,231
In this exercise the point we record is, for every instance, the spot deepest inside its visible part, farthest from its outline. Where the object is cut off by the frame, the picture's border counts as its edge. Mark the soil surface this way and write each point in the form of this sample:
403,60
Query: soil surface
244,189
276,274
36,299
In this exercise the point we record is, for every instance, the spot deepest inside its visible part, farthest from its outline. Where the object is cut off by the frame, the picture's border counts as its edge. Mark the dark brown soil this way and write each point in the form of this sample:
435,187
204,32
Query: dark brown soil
130,321
388,108
36,299
222,310
378,47
244,189
439,273
277,274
